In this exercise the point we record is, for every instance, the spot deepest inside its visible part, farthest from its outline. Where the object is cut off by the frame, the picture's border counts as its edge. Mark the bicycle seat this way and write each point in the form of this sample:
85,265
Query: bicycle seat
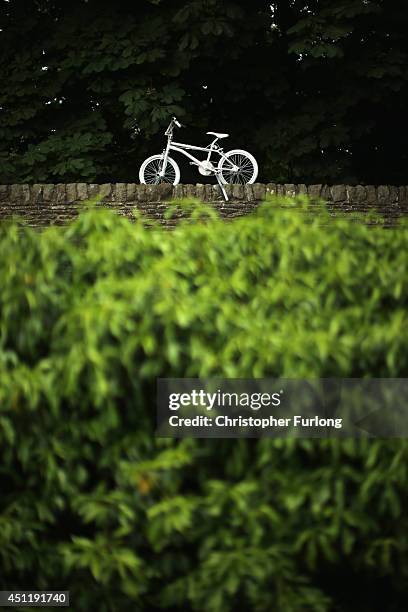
218,135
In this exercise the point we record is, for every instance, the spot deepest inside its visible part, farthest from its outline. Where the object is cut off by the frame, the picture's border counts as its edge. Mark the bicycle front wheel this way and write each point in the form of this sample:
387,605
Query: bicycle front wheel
149,173
238,167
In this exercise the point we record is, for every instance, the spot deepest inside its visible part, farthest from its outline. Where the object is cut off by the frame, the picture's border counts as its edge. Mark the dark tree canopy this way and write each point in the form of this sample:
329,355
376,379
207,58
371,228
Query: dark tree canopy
317,90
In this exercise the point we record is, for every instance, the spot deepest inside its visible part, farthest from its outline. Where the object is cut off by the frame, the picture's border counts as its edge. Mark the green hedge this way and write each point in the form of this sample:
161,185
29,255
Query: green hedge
91,501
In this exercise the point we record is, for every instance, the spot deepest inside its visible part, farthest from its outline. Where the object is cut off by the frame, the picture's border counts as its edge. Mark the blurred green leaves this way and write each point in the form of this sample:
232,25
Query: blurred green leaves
92,313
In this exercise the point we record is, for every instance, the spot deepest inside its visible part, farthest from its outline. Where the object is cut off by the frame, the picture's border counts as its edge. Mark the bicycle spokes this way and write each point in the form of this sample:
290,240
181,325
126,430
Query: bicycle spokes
152,173
243,172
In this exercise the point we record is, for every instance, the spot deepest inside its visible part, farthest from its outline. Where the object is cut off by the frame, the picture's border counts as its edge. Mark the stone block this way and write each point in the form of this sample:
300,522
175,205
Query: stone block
371,197
93,190
4,192
48,192
208,193
360,194
164,191
20,193
200,191
60,194
393,196
131,192
216,193
36,193
26,193
121,192
290,190
82,191
351,193
314,191
177,192
270,189
338,193
72,195
325,193
141,193
105,192
259,191
249,193
237,192
403,195
383,194
190,191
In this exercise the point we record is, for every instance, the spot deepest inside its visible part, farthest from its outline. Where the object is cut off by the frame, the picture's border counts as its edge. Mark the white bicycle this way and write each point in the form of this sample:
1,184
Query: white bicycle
236,167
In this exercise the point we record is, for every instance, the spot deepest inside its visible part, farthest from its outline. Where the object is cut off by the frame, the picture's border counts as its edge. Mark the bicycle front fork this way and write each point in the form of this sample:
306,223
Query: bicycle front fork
165,157
164,164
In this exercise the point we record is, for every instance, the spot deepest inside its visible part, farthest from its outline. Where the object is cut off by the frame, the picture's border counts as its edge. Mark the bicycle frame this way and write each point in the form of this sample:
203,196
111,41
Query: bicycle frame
182,148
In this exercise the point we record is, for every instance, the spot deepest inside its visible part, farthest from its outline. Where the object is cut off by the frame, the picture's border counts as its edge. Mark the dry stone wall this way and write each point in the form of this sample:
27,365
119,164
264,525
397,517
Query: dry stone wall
41,205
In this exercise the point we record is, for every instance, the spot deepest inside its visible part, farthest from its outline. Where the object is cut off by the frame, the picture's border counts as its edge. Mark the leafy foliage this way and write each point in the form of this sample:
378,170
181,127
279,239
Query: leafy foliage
92,501
316,90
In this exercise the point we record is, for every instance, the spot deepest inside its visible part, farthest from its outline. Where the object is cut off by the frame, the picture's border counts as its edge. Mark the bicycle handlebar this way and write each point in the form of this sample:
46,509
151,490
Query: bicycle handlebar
173,122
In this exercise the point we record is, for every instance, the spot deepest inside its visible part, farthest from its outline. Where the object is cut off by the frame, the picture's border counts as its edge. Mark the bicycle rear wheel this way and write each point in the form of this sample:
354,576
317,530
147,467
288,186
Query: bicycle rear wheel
149,173
246,168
